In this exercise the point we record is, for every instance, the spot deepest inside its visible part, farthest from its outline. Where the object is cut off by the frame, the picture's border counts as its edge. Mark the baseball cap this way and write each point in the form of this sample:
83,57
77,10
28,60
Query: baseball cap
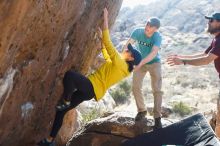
154,21
215,15
136,54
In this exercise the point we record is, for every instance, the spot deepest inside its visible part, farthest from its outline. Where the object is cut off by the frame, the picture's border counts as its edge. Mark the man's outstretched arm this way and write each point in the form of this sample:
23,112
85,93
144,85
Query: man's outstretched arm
193,61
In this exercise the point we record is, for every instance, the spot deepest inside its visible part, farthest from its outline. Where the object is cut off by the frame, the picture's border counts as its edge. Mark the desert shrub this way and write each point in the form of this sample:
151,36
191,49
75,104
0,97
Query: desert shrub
181,108
119,96
91,115
125,86
121,93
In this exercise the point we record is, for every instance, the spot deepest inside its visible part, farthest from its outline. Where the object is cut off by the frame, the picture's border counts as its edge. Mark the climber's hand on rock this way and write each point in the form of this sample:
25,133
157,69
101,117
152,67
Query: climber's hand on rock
98,38
105,15
105,12
99,33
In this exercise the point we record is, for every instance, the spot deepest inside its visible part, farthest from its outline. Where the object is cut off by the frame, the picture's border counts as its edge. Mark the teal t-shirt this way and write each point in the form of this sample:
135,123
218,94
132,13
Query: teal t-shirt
145,44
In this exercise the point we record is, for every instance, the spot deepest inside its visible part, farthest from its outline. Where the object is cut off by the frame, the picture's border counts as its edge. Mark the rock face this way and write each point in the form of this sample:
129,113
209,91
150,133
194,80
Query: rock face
111,130
39,41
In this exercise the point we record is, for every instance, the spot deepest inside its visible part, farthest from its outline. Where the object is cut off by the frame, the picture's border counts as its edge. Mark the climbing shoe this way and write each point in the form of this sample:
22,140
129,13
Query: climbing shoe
140,115
44,142
157,123
62,105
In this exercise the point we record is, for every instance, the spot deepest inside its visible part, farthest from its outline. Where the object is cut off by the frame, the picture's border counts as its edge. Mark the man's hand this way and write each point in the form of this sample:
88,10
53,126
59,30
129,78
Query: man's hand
138,67
174,60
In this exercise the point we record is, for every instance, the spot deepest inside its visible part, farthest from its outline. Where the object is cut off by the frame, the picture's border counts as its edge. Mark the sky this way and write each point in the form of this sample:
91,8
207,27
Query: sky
132,3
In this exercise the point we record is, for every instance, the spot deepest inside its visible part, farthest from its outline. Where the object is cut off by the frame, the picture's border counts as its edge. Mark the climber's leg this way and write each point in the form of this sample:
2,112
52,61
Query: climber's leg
72,82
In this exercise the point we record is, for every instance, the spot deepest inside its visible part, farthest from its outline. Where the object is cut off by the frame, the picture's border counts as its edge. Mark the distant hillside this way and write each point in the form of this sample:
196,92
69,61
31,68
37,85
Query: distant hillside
185,15
182,23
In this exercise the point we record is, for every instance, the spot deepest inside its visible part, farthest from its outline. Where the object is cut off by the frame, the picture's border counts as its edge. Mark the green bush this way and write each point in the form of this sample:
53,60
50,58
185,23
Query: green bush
125,86
121,93
91,115
119,96
182,109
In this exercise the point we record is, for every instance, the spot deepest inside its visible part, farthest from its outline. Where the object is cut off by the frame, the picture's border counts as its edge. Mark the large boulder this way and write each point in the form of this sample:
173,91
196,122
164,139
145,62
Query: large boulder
39,41
112,130
70,125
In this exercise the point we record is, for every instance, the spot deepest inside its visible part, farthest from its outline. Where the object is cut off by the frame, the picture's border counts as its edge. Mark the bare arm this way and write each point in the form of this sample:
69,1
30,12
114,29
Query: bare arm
105,15
149,57
188,56
202,60
111,50
193,61
192,56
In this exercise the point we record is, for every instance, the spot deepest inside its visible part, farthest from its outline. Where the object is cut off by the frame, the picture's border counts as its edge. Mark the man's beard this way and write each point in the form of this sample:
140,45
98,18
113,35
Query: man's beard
213,30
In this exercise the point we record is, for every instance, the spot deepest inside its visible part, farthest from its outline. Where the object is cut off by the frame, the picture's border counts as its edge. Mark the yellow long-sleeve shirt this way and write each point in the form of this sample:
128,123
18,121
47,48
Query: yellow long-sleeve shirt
113,70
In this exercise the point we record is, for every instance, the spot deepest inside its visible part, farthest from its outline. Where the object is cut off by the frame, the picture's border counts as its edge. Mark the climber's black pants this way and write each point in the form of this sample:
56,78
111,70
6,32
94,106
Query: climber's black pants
85,91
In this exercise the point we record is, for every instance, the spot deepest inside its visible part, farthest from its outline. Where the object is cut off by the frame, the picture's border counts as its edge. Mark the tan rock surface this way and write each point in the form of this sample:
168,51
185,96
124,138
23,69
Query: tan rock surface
112,130
39,41
109,131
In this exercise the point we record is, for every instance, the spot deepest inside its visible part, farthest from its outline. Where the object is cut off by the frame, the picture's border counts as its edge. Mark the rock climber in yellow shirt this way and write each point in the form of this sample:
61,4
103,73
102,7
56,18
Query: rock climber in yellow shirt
78,88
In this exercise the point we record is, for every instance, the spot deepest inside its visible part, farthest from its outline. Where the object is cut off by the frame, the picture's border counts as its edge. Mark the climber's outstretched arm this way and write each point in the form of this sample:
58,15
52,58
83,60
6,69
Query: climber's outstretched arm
112,51
105,15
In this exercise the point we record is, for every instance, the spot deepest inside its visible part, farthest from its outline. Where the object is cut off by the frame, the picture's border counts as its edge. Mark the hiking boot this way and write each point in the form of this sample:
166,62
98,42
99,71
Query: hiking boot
140,115
157,123
44,142
62,105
